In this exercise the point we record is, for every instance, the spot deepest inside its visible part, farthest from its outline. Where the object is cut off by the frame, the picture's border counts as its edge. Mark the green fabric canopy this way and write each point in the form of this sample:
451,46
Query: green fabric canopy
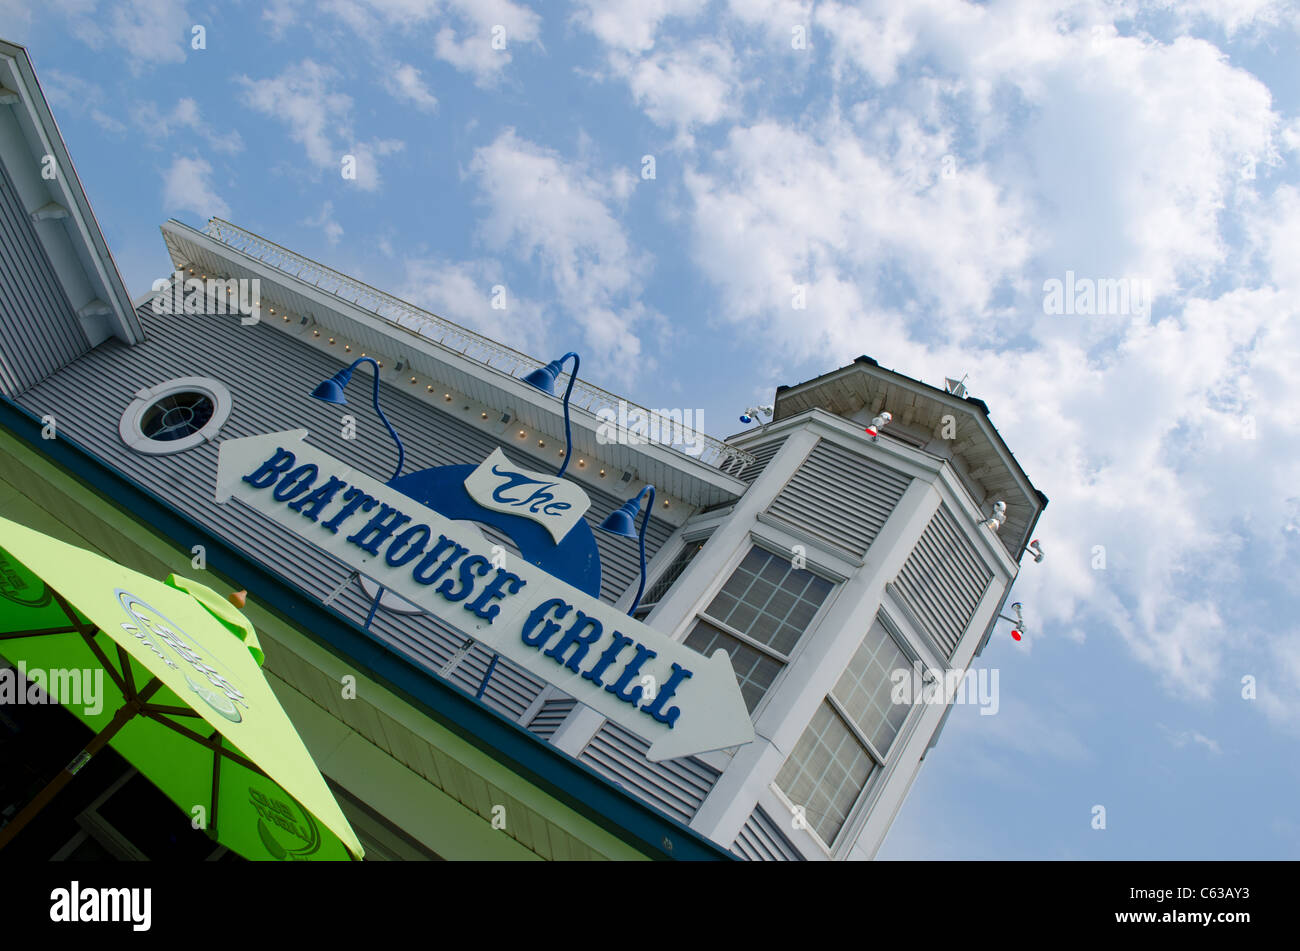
184,700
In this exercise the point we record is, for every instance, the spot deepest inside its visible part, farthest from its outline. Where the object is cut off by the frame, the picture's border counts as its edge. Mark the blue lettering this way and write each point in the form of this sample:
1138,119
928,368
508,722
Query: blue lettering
423,575
574,637
353,499
656,707
534,638
473,565
272,469
407,540
607,658
504,579
378,529
309,505
299,480
630,672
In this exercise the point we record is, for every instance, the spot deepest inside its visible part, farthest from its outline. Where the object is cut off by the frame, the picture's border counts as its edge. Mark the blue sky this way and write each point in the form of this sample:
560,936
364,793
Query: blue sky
921,168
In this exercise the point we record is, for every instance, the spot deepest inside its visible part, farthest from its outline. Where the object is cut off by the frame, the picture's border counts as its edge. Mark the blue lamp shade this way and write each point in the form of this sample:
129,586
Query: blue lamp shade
622,521
543,378
331,391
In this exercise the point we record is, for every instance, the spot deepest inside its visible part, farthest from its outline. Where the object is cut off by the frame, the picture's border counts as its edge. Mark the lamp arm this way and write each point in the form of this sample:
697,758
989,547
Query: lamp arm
401,451
568,439
645,521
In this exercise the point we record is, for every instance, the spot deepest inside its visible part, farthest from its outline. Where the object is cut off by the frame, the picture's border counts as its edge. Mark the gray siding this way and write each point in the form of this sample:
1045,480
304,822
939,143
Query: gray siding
840,497
550,715
676,786
760,840
270,376
762,456
942,581
39,330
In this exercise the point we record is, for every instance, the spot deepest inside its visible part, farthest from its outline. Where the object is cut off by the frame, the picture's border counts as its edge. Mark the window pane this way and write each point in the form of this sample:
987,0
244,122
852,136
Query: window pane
864,689
770,600
826,773
671,573
755,671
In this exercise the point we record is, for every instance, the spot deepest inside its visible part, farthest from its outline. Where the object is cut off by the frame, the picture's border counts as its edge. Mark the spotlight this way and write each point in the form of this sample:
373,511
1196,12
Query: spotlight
877,424
752,414
998,517
1036,549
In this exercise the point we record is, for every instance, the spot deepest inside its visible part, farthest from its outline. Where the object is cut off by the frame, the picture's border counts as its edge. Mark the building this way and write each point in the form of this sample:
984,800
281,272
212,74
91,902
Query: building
820,558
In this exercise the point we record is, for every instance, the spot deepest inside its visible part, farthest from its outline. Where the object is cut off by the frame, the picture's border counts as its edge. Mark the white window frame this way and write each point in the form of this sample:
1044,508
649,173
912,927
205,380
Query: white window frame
772,548
132,434
884,764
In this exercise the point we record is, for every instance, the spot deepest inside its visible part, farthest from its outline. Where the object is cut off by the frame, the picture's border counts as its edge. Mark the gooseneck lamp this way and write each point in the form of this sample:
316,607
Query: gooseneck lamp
331,391
543,378
622,521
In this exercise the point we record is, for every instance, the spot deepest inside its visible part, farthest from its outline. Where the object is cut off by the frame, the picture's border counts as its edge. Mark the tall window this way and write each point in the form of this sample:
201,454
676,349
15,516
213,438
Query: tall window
849,736
670,575
758,617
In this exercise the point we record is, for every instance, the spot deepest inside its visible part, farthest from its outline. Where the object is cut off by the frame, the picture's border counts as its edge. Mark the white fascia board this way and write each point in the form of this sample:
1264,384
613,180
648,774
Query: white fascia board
701,484
99,277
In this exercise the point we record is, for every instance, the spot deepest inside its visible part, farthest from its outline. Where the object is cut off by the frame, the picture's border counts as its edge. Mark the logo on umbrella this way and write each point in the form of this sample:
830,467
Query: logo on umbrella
27,592
153,628
288,832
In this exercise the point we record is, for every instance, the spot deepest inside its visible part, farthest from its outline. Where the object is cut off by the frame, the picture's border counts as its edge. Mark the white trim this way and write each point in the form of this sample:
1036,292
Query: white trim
129,425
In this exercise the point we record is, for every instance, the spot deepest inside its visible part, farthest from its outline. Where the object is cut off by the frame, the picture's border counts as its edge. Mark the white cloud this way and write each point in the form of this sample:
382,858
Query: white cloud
1181,738
185,120
478,37
150,31
186,188
688,86
325,221
303,97
404,83
72,95
463,293
541,206
1072,148
631,25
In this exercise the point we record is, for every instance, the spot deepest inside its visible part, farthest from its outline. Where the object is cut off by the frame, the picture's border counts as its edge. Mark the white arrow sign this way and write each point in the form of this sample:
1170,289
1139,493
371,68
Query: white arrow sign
681,701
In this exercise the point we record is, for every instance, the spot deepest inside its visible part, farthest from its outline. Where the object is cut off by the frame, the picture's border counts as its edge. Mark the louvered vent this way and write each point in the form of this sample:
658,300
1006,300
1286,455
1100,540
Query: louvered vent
840,497
676,786
943,581
762,456
552,713
39,331
760,840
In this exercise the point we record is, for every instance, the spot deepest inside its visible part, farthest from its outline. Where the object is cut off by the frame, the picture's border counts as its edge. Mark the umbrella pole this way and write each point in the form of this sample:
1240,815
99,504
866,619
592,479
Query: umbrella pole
42,799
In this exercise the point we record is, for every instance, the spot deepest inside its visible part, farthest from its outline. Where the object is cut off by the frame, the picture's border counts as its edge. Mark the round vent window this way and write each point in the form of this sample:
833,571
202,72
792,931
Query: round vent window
175,416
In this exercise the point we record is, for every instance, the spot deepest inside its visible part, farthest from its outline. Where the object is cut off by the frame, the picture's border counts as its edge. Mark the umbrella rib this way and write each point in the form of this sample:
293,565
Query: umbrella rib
216,779
88,635
170,711
38,632
124,659
203,741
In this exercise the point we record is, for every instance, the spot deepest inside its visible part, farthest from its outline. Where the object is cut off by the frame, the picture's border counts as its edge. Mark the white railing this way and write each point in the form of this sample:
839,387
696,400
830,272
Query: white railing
431,327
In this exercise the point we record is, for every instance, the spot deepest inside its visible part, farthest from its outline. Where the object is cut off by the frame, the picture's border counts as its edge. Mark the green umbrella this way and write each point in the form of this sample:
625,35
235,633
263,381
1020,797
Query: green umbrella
184,700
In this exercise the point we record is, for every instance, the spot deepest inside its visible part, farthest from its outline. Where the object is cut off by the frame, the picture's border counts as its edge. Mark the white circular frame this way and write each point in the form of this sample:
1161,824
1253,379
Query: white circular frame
133,435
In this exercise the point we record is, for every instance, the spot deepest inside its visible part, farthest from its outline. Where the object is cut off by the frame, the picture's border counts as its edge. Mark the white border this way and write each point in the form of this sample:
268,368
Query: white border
128,426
